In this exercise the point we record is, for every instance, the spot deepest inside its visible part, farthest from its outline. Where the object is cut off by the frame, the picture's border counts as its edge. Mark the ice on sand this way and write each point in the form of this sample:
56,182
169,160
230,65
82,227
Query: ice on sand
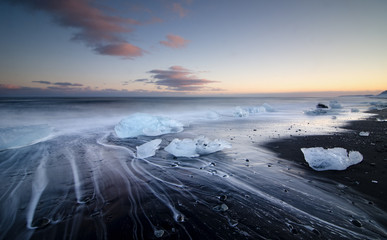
252,110
321,159
148,149
335,104
15,137
195,147
364,134
141,124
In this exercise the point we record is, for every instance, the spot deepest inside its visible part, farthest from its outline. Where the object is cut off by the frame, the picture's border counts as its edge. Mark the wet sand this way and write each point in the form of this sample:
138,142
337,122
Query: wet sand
368,177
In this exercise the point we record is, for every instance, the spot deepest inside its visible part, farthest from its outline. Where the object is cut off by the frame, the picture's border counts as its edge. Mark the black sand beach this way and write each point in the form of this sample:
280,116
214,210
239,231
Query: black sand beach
367,177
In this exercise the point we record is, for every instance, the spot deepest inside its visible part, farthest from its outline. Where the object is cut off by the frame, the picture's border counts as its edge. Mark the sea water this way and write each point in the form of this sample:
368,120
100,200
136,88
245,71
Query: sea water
66,174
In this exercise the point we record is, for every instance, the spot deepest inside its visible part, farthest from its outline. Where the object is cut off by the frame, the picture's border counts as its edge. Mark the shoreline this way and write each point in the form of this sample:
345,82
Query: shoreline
369,177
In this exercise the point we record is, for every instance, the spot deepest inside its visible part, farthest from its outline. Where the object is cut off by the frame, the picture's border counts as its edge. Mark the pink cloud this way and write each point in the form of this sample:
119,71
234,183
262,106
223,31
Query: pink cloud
9,86
176,7
120,49
179,79
94,26
174,41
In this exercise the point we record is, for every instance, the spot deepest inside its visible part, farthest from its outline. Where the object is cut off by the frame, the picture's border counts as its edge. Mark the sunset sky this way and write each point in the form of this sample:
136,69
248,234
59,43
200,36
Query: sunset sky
191,47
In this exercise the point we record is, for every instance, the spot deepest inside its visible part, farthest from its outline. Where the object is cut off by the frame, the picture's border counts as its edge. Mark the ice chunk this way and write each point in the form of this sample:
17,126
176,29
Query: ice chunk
15,137
252,110
378,105
321,159
195,147
354,110
147,125
364,134
148,149
317,111
240,112
268,108
335,104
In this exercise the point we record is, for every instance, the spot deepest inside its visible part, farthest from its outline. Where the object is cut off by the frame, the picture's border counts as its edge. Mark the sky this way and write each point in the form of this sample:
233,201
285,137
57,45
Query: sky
192,47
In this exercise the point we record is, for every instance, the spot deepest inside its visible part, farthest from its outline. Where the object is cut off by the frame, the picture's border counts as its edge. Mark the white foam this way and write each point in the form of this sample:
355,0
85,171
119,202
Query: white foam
141,124
195,147
39,184
321,159
148,149
21,136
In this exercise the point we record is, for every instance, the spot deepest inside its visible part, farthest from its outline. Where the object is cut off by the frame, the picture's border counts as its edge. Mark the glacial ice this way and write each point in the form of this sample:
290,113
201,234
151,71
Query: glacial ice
148,149
364,134
21,136
335,104
252,110
321,159
317,111
195,147
141,124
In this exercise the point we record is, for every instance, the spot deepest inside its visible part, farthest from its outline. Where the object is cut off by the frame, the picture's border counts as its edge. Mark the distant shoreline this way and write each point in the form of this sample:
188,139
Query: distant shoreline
368,177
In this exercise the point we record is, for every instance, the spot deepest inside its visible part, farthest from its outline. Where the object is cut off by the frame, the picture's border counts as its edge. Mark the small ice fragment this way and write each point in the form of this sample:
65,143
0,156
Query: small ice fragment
221,208
159,233
364,134
317,111
268,107
148,149
374,181
335,104
354,110
240,112
321,159
252,110
196,147
141,124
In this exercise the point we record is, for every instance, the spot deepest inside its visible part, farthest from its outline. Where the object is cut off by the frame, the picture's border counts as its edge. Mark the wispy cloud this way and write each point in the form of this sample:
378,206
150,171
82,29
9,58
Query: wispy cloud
67,84
97,29
174,41
42,82
120,49
141,80
178,78
61,84
7,90
176,7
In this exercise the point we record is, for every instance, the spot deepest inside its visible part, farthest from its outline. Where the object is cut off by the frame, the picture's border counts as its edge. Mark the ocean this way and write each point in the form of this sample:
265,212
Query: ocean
65,173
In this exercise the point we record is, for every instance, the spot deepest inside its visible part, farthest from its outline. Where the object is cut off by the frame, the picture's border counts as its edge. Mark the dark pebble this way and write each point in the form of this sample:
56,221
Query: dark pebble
42,223
356,223
315,231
